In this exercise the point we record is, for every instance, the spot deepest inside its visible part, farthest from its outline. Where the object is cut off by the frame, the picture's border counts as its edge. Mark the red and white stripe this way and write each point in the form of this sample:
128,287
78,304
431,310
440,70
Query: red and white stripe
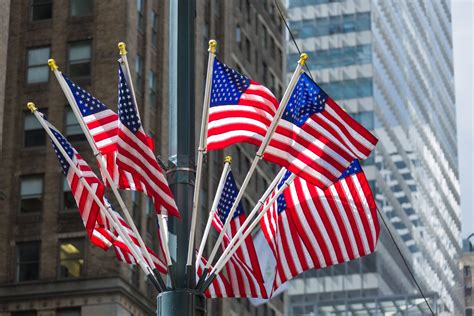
323,147
246,121
219,287
243,268
88,208
292,257
338,224
102,238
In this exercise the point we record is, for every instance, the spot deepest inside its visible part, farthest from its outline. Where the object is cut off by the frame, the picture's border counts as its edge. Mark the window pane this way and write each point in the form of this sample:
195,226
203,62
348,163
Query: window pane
72,127
71,256
33,133
69,202
38,56
37,65
69,312
31,194
41,10
31,123
81,7
28,255
80,59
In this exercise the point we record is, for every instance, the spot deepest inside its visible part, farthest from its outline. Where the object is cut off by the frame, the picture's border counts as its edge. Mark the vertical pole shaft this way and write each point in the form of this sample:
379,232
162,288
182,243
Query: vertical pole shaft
182,300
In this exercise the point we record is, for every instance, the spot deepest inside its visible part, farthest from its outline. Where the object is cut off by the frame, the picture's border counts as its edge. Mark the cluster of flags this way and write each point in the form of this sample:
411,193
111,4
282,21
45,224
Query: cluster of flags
319,212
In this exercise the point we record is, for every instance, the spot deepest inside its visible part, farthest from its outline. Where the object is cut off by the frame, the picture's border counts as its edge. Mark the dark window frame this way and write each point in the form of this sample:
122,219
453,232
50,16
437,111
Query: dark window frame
73,138
19,262
81,61
28,67
81,257
20,196
84,15
38,130
32,6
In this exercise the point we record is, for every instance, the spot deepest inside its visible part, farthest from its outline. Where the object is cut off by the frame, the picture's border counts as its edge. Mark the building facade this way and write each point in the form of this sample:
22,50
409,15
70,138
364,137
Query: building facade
390,64
48,267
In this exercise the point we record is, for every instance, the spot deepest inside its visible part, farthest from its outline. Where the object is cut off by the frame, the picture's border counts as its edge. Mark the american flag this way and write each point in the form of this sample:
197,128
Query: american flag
88,208
102,238
316,139
241,109
338,224
135,151
102,124
220,286
243,269
291,255
311,228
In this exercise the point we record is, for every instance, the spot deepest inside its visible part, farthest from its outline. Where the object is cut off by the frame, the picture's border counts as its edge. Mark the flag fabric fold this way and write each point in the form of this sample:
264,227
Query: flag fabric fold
310,228
135,151
241,109
315,138
88,208
243,268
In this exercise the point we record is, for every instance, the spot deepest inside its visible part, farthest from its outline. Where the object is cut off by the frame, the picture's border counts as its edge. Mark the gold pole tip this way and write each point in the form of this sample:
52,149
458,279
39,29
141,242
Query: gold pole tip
228,159
303,58
52,64
31,106
122,48
212,46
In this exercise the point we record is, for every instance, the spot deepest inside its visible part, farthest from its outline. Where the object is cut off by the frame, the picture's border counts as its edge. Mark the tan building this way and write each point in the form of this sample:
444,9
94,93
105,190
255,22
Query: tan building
47,266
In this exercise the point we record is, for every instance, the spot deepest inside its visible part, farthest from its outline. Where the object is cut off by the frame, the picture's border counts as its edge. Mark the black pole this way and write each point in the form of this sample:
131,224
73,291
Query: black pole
183,299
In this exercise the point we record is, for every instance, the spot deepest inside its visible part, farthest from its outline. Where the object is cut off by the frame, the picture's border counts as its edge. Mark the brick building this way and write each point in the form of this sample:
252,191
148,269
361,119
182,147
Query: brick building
47,266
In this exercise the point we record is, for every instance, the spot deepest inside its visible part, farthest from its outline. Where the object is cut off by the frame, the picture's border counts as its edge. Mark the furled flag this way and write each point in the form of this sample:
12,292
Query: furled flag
338,224
291,255
102,124
135,151
219,287
316,139
241,109
88,208
243,269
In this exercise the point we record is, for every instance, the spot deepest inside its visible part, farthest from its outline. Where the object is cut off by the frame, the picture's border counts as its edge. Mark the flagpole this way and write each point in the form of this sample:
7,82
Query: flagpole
259,155
110,216
97,154
215,203
228,253
201,152
163,230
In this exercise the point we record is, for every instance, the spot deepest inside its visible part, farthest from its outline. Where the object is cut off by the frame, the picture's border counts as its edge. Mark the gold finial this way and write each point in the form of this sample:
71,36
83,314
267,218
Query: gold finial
122,48
303,58
52,64
31,106
212,46
228,159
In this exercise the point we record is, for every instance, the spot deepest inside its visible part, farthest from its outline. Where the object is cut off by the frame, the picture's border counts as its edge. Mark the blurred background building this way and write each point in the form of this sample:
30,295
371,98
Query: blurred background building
47,266
390,64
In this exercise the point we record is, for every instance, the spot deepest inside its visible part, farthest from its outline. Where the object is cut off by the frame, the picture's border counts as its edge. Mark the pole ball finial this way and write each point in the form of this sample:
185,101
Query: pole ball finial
31,106
228,159
52,64
212,46
122,48
303,58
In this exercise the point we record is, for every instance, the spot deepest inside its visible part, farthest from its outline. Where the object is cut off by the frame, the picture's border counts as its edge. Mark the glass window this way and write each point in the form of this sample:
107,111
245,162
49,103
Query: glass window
41,9
24,313
79,64
152,87
139,71
71,258
154,29
141,18
37,65
349,89
69,203
238,36
27,261
81,7
72,127
31,194
33,132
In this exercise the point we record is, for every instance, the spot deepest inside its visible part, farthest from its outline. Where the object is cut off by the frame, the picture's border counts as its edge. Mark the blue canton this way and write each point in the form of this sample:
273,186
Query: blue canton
227,85
127,110
281,202
229,193
353,168
67,148
87,103
307,99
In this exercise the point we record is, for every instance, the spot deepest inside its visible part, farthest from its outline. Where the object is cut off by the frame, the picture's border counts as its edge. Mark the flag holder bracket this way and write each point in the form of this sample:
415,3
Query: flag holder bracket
181,302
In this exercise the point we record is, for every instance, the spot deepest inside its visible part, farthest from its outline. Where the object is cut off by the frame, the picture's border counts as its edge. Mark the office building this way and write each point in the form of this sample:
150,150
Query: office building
390,64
